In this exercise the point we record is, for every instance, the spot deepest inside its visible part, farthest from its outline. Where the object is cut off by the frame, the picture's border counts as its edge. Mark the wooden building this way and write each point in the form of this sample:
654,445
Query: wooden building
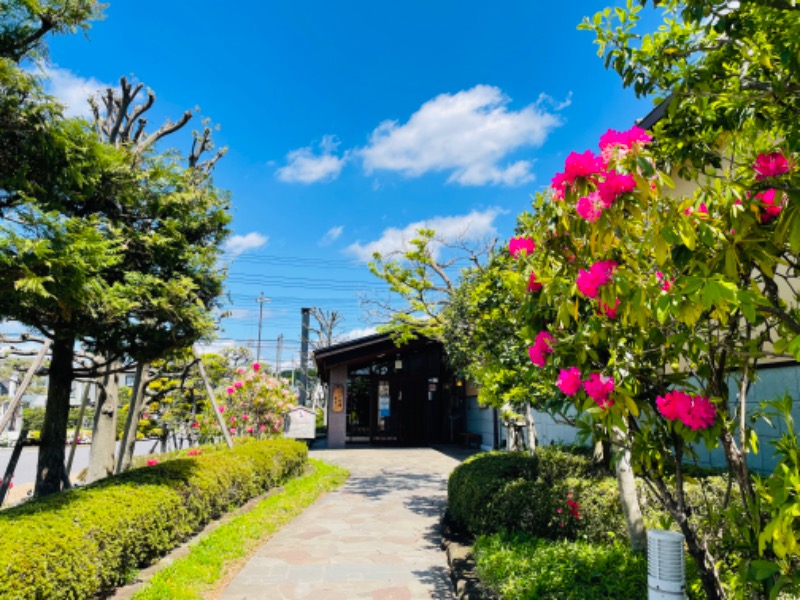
381,394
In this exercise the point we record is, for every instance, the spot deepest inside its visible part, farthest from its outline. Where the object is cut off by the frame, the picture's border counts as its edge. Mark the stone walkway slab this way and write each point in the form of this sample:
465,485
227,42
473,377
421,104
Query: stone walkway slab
376,537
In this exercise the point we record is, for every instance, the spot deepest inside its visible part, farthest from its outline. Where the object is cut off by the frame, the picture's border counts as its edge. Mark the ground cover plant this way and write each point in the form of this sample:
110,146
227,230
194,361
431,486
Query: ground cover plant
523,567
89,540
219,552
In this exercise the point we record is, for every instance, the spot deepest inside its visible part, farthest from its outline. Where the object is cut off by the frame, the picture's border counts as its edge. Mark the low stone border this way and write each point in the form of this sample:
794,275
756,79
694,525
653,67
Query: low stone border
457,544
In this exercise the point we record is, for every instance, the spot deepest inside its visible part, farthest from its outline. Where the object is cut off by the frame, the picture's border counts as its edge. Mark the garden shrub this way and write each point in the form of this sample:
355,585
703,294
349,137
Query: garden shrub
557,463
522,567
476,482
86,541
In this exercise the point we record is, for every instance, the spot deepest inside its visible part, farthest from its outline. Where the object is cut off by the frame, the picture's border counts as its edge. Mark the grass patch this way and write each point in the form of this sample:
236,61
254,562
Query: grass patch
209,559
522,567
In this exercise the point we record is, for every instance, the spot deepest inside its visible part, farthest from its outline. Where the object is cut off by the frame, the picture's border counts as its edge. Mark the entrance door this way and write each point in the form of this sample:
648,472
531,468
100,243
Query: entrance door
386,410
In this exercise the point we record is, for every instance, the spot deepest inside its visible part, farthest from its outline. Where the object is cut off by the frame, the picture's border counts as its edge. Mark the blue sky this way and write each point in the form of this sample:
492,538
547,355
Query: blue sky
351,123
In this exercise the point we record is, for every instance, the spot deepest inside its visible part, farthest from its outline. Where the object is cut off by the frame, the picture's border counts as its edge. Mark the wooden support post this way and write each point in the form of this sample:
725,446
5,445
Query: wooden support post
12,465
26,381
128,443
210,391
76,435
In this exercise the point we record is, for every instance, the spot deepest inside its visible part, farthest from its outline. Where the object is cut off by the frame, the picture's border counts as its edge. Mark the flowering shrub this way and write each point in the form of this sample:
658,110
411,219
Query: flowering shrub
254,404
630,279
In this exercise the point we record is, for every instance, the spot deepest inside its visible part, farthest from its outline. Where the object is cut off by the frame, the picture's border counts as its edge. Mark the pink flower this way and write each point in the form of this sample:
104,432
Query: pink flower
582,165
590,207
195,425
696,412
666,284
262,427
240,371
245,417
256,366
559,185
701,415
605,309
193,452
533,285
613,186
238,384
623,140
703,209
250,429
152,462
233,419
771,208
542,346
229,391
770,165
599,274
221,409
569,381
520,244
598,387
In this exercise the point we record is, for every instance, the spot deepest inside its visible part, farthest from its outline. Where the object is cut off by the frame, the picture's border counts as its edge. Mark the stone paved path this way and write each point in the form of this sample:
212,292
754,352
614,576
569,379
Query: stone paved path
375,537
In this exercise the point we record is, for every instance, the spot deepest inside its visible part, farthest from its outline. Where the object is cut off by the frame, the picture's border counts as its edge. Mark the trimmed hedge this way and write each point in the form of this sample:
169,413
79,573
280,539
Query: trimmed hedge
475,484
80,543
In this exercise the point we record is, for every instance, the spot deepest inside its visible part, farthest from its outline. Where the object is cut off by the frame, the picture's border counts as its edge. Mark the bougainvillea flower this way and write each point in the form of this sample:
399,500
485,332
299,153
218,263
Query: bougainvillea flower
770,165
256,366
520,244
569,381
582,165
671,405
598,387
609,311
590,207
533,285
614,185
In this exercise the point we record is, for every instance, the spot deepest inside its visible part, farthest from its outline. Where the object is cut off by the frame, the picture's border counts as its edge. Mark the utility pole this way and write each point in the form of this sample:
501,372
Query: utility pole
306,312
278,356
261,300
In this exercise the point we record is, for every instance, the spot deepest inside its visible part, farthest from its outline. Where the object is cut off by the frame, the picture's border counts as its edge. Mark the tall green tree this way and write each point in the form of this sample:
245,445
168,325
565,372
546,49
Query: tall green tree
115,248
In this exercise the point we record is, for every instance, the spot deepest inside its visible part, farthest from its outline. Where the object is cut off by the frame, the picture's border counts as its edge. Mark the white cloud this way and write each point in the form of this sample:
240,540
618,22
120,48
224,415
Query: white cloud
475,226
237,244
354,334
468,134
331,235
72,90
304,166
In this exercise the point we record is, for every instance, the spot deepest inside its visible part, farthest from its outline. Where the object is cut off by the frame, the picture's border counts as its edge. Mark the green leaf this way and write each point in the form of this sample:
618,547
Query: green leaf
762,569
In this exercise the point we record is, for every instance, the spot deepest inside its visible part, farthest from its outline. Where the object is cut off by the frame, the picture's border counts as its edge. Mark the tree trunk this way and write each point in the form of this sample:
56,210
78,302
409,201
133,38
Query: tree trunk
50,470
629,498
530,427
104,438
135,410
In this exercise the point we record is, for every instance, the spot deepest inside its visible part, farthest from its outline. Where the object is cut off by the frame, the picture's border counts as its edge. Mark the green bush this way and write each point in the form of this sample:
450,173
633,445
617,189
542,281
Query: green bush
86,541
557,463
476,482
501,491
523,567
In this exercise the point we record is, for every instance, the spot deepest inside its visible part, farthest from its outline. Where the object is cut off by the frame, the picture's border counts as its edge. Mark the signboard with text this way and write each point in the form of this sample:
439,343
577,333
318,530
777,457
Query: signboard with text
300,423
